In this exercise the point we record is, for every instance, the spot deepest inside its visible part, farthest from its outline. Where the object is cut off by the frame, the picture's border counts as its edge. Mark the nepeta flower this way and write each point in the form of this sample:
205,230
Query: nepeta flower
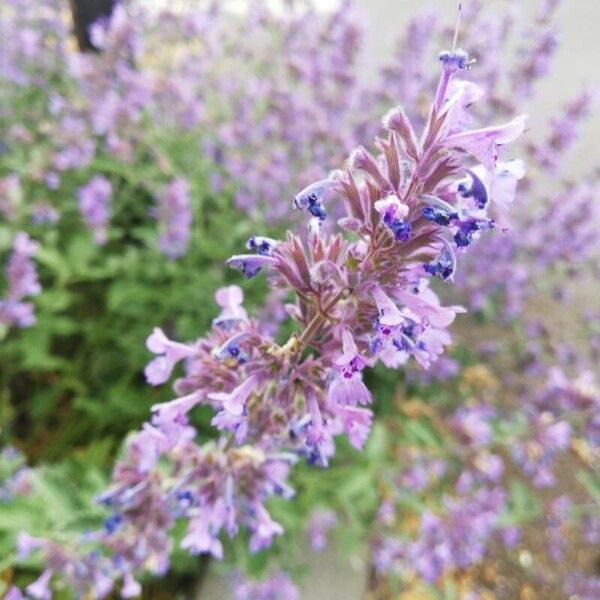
174,214
250,264
170,353
277,402
230,300
234,401
347,388
40,588
310,199
94,204
22,283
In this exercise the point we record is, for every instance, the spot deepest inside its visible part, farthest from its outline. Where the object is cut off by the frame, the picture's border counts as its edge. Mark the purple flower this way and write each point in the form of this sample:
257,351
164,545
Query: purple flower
160,368
348,389
394,213
262,245
389,314
250,264
26,544
230,300
319,524
40,588
444,266
234,402
174,214
231,348
311,197
264,529
201,535
174,411
14,593
22,282
147,446
483,144
356,423
131,588
94,205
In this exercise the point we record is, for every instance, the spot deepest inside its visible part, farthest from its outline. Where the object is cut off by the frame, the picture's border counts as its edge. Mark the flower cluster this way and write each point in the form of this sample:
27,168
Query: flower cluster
359,300
290,84
445,507
22,282
175,216
94,204
552,234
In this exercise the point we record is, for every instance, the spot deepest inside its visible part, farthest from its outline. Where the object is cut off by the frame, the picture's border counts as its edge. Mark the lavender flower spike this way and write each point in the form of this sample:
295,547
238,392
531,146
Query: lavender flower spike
348,389
22,282
174,214
160,368
94,204
483,144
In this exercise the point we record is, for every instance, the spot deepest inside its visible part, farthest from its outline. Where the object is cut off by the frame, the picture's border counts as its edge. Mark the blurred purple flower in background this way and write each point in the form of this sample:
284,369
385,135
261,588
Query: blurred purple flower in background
94,204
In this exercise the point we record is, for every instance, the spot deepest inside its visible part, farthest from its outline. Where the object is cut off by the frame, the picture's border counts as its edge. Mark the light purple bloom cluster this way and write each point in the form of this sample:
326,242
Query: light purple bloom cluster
359,300
174,215
551,235
22,282
321,521
94,204
303,111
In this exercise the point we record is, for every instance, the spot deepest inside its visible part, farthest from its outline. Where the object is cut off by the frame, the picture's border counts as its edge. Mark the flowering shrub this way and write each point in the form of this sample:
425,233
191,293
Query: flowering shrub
359,300
124,174
460,454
